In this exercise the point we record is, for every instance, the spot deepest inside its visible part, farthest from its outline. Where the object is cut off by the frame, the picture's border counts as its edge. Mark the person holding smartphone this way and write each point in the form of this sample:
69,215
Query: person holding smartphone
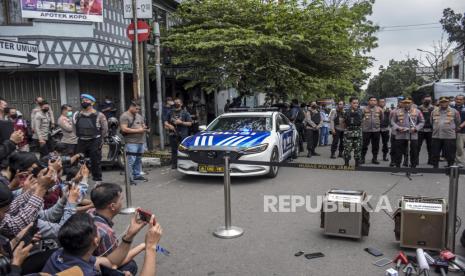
134,129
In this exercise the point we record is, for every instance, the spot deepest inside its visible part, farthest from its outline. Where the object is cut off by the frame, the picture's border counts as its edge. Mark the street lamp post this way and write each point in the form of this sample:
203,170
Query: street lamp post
156,32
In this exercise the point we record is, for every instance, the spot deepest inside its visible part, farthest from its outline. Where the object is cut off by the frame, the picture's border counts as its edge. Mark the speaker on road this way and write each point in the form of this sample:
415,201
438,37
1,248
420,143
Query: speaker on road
344,215
423,222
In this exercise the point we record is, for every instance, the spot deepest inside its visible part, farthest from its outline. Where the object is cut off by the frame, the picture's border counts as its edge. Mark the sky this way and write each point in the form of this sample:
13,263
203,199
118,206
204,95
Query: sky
399,44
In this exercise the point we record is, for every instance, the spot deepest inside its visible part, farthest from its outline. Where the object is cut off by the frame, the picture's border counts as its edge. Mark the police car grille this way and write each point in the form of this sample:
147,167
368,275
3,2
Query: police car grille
211,157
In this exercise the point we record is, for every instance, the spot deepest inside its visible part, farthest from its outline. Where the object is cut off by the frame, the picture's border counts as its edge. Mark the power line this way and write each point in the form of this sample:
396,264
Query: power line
411,25
410,29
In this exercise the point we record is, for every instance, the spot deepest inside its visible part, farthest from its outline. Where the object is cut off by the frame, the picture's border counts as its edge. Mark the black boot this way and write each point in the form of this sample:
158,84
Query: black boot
346,162
333,155
405,164
385,157
358,163
315,154
391,164
375,161
340,155
309,154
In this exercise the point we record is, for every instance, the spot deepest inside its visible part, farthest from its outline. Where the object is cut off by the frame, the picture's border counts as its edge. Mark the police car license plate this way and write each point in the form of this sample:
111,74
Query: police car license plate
210,169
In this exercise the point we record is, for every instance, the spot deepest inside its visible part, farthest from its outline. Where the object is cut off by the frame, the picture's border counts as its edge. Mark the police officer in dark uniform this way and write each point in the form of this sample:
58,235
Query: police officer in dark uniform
426,133
353,133
91,128
178,123
384,128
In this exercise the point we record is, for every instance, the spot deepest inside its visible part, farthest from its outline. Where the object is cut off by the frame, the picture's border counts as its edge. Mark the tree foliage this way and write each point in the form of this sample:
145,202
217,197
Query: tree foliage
399,78
454,24
285,48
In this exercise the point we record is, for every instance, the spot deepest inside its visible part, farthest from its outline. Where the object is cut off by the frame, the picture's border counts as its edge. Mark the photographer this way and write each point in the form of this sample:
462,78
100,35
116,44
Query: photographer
108,201
178,123
133,129
16,214
79,239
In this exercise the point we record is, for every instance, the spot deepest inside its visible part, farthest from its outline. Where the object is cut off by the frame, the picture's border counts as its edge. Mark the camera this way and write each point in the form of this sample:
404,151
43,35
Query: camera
84,161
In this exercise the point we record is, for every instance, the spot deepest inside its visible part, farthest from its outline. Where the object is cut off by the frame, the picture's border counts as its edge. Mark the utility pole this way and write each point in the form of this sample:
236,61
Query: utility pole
135,45
156,32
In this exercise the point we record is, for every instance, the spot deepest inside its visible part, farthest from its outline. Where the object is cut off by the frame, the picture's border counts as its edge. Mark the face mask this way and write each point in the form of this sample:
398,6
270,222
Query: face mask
13,116
170,103
108,101
427,102
69,113
85,105
44,110
177,105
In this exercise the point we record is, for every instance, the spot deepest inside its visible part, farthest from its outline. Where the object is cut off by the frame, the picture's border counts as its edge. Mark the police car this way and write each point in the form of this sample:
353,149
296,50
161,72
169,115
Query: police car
254,136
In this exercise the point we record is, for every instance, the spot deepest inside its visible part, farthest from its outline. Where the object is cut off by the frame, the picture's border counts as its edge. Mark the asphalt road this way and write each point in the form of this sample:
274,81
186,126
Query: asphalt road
191,208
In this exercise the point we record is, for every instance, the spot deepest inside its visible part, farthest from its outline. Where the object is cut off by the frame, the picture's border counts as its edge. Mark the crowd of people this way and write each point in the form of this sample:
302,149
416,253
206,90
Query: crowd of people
400,131
53,220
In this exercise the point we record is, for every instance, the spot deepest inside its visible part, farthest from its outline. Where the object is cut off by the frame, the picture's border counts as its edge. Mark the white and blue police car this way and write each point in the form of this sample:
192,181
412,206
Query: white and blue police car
248,136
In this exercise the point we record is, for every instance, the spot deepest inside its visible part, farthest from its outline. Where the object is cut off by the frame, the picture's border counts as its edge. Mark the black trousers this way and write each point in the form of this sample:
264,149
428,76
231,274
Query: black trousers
44,149
175,140
338,138
392,152
401,149
301,131
447,146
373,138
312,137
428,138
385,141
92,149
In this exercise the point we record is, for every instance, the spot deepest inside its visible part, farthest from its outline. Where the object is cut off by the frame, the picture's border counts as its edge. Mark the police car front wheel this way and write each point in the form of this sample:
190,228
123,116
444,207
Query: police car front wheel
274,158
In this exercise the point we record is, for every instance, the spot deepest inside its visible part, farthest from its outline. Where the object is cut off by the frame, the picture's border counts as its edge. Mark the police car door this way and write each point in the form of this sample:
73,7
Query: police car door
285,138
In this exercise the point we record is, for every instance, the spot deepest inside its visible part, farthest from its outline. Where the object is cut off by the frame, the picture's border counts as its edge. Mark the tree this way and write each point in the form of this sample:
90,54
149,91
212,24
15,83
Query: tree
286,48
435,58
454,24
399,78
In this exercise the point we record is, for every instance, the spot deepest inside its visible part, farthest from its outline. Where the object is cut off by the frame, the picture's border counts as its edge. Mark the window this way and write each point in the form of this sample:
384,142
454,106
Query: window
243,124
456,72
10,13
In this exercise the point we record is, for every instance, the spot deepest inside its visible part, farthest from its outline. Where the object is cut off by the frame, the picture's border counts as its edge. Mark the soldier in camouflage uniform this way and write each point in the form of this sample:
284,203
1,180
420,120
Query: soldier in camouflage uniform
353,134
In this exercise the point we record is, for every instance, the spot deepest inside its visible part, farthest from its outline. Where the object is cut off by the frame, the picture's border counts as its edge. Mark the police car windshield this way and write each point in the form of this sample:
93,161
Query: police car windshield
236,123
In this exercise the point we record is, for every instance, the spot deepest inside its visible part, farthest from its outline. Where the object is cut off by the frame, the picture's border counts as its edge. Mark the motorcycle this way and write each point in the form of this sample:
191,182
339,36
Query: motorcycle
113,146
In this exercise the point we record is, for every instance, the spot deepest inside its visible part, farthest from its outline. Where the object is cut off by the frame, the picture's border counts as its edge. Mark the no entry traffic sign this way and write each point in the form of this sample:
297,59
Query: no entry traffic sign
143,31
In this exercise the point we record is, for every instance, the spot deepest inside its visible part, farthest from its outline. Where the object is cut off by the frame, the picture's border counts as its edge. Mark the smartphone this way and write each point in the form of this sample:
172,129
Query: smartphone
373,251
314,255
145,215
29,235
382,262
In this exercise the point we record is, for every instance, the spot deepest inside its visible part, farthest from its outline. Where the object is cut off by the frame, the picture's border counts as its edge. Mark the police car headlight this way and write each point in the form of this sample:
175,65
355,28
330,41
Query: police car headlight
183,148
255,149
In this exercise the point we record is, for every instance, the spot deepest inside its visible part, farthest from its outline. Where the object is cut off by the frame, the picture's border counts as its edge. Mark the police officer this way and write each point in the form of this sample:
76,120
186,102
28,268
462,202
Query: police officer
353,133
425,134
91,128
42,123
459,106
313,123
407,121
384,127
445,121
371,126
336,119
178,123
297,118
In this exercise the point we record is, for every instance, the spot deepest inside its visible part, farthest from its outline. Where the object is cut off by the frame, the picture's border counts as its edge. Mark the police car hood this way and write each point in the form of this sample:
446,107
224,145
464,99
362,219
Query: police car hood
226,139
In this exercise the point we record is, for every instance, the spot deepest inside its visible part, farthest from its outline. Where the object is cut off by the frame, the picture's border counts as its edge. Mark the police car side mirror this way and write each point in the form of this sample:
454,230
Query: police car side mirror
202,128
283,128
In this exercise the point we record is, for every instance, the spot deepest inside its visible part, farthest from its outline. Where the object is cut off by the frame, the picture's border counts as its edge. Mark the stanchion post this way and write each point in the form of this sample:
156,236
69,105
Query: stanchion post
129,209
452,212
227,231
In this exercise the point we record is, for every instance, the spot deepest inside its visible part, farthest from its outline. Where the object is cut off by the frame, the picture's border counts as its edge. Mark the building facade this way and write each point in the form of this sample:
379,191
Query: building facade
74,55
